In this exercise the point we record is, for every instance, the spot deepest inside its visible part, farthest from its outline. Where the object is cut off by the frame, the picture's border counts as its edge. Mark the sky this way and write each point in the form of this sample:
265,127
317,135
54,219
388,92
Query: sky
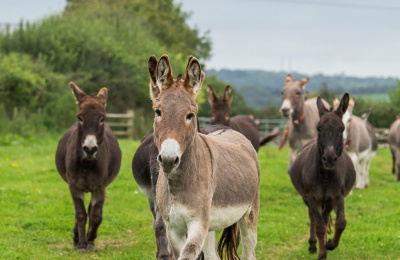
351,37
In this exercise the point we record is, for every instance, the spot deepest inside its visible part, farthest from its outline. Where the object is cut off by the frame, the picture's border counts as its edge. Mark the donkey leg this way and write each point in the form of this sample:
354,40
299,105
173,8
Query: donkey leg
356,163
393,152
161,236
176,239
312,241
398,163
197,232
209,247
292,158
248,231
320,228
95,216
340,225
79,238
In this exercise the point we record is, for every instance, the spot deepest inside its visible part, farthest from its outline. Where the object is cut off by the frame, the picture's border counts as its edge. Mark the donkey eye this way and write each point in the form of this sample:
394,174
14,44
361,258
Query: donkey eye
298,93
102,120
80,119
158,112
189,116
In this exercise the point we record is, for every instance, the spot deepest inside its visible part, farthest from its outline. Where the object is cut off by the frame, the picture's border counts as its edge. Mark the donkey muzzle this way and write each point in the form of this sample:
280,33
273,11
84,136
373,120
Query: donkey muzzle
169,157
329,160
90,147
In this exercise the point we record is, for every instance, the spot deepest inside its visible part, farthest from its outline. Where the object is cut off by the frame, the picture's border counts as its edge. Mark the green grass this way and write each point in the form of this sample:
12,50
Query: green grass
37,216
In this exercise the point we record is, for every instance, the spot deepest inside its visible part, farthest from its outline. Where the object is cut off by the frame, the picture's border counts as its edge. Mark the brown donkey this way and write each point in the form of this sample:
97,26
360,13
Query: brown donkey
206,182
220,111
303,115
88,158
323,175
145,170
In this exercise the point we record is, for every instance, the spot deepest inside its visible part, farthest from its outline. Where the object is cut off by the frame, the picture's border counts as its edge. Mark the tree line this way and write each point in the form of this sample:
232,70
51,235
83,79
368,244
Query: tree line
99,43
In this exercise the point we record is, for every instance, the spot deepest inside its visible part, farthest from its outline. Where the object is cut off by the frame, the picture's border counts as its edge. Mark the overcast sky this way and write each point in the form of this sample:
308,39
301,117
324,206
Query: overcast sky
354,37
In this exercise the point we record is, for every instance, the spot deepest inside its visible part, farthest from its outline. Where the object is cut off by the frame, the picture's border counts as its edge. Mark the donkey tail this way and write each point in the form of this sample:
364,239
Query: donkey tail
228,242
268,138
329,225
284,139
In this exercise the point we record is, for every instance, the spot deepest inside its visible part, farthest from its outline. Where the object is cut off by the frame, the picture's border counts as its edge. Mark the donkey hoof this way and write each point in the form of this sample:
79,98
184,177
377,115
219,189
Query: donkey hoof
81,250
312,249
90,247
322,256
329,245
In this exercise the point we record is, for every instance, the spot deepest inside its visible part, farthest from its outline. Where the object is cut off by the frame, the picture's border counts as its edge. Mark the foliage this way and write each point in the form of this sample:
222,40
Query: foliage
382,112
96,43
260,88
238,105
38,216
394,96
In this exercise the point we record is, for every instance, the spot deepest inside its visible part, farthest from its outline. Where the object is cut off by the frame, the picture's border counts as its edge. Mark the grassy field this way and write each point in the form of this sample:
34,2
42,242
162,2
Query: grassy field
37,216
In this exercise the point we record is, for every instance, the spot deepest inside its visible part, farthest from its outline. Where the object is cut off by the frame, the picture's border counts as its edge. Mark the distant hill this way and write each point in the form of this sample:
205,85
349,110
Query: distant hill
260,88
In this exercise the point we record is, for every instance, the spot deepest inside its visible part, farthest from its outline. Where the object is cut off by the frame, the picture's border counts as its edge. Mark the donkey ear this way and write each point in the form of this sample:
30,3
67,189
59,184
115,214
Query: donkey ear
336,102
352,102
152,65
103,95
321,107
288,79
304,81
228,96
164,76
194,77
78,93
343,105
211,95
190,58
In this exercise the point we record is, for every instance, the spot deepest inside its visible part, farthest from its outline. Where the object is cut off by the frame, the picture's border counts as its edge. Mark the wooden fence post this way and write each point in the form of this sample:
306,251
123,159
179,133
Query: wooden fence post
130,129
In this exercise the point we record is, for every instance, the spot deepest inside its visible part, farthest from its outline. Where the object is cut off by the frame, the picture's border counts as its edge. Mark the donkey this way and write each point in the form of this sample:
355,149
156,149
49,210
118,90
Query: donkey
360,143
206,182
323,175
145,170
88,158
394,144
220,111
303,115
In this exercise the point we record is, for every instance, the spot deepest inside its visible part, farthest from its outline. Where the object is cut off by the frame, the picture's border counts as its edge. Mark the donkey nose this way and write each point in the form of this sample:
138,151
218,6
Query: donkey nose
168,162
329,158
90,150
285,111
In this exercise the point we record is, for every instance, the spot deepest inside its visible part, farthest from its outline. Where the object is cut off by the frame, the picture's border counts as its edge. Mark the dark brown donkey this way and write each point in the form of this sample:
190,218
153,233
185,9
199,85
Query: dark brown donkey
303,115
206,182
88,158
323,175
220,112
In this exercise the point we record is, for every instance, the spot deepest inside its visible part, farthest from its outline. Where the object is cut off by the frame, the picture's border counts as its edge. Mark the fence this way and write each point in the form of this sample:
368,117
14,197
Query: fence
265,125
122,124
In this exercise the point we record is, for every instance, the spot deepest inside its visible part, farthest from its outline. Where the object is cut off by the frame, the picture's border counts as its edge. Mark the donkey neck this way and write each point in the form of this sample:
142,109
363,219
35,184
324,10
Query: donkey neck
299,114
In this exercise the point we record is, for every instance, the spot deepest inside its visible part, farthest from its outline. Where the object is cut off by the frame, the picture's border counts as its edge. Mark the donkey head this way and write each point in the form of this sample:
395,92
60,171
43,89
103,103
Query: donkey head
292,97
330,132
220,107
91,116
346,116
174,104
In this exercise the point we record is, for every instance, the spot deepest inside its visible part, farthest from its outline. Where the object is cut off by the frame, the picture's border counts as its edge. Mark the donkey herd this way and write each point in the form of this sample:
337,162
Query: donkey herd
198,181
